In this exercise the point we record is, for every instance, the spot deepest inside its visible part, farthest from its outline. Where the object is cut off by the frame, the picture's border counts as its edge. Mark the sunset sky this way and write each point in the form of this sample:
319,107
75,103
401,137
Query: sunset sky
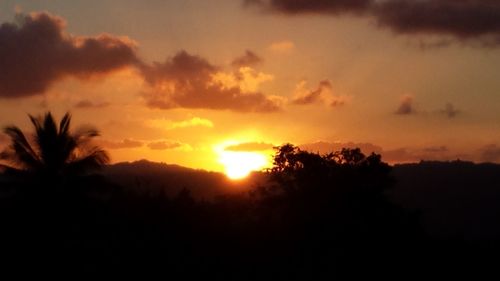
192,81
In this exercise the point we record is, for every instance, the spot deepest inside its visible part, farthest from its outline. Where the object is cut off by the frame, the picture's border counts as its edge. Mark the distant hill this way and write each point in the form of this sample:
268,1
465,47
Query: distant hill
153,177
456,199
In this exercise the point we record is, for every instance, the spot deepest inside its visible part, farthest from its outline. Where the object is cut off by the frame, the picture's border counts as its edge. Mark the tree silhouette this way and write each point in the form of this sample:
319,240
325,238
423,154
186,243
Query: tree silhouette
296,170
53,154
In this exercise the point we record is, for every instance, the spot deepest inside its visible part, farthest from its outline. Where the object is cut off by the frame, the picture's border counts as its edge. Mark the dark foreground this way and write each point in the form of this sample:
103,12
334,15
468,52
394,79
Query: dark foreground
305,224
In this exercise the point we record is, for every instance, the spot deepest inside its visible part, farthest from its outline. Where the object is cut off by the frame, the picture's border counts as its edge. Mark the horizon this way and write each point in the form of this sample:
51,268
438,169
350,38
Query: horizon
202,86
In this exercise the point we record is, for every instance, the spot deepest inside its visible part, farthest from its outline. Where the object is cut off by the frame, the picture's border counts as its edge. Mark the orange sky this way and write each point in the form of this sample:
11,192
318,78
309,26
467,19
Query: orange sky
186,81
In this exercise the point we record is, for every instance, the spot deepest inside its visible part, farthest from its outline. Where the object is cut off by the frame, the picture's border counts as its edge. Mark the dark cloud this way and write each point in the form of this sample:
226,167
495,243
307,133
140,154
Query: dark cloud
406,106
36,51
460,19
89,104
334,7
187,81
126,143
314,95
490,153
248,59
250,146
163,145
450,111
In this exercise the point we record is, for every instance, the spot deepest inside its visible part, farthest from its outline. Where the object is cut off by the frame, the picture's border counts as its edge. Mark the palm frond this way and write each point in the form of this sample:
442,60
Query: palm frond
86,132
22,153
64,124
94,160
9,170
48,141
55,150
49,124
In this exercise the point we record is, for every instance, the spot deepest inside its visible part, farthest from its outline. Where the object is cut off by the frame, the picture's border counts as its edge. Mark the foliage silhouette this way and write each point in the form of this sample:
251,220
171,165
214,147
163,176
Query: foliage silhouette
53,155
336,202
348,170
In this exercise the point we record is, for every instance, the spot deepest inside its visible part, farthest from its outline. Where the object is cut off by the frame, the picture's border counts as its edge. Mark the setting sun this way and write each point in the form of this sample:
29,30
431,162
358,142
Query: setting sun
238,165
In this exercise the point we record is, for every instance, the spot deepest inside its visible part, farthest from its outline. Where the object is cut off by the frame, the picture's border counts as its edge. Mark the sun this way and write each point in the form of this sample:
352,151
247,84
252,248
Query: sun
238,165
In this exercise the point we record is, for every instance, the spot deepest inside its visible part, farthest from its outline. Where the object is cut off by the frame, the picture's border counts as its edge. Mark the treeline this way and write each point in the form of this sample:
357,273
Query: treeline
319,216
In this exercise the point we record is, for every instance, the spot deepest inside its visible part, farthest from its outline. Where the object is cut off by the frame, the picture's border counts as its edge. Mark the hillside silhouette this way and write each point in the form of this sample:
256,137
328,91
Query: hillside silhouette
171,179
310,217
454,198
457,199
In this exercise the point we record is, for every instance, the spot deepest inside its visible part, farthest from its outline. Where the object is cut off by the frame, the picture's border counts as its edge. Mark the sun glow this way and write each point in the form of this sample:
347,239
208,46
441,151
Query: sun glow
238,165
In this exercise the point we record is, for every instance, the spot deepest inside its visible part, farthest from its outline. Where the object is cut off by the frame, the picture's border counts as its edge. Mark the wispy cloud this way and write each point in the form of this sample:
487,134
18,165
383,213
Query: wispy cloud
171,125
121,144
169,145
83,104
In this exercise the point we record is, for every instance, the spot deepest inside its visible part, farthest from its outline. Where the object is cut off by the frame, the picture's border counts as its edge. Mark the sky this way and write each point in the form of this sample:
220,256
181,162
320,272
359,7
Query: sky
196,82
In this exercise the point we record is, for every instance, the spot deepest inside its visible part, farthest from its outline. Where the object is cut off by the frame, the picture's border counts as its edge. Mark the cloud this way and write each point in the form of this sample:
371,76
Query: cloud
463,20
248,59
171,125
406,106
460,19
36,51
245,78
316,7
284,47
83,104
303,97
126,143
450,111
250,146
187,81
321,94
490,153
167,145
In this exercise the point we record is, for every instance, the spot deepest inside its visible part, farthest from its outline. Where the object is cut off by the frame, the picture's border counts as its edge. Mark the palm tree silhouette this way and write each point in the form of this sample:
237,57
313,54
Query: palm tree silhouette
53,154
